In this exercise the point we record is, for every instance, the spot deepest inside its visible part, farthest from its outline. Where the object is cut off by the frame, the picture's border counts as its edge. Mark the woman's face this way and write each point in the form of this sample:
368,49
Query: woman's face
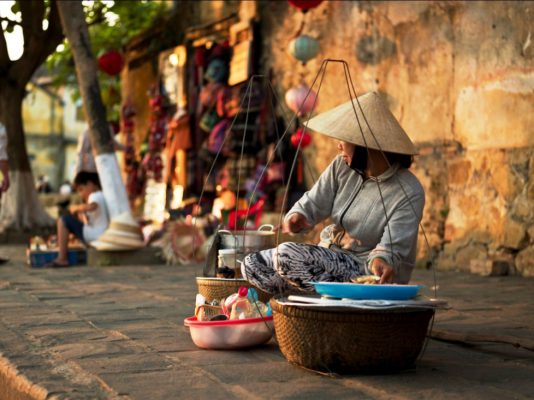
347,151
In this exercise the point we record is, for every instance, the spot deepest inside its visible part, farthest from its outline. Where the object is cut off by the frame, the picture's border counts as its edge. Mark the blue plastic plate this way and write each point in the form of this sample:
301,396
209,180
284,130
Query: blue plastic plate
366,292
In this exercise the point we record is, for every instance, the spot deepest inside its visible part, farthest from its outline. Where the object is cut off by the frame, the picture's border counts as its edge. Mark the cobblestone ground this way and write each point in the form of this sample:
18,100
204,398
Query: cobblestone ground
117,333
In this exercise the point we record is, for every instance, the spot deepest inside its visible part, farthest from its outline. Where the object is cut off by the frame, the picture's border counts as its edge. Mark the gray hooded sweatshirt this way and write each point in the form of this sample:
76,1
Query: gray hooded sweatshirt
360,227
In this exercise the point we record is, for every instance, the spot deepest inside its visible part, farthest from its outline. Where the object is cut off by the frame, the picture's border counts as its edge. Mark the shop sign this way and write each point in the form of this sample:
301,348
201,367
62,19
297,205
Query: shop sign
241,37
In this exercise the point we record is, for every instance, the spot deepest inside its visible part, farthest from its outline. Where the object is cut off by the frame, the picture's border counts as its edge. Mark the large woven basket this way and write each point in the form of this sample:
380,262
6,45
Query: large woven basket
350,342
217,289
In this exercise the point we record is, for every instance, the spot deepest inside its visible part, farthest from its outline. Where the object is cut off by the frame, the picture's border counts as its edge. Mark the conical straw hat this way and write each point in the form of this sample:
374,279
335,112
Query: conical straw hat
341,123
123,234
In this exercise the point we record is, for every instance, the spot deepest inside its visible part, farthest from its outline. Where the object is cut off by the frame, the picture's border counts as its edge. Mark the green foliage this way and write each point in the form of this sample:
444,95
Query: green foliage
111,26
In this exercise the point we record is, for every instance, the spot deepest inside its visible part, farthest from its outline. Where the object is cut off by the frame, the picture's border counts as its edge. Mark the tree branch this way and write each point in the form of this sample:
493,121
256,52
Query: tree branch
26,8
37,47
10,21
38,15
97,20
4,55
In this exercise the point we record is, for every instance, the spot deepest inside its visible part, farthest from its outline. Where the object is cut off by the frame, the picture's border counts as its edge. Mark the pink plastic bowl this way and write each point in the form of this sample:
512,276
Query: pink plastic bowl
230,335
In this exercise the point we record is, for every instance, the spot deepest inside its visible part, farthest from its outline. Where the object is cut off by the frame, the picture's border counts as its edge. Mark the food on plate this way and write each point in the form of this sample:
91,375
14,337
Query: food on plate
366,280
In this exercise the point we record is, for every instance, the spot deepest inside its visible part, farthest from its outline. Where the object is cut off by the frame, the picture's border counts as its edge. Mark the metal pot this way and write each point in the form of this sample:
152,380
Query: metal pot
254,241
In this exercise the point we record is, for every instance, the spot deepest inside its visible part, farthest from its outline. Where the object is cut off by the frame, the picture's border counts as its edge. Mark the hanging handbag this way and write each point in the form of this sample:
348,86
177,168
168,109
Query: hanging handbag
208,120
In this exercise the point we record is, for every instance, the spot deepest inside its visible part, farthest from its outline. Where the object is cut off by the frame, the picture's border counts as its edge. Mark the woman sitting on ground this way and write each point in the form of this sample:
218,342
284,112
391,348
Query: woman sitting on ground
93,213
357,190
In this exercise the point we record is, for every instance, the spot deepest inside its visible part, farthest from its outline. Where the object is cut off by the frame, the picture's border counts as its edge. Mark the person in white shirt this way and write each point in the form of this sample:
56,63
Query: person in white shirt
3,160
94,213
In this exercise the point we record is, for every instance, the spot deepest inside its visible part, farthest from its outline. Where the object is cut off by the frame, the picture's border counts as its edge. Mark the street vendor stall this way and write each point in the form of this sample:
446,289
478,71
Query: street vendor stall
359,322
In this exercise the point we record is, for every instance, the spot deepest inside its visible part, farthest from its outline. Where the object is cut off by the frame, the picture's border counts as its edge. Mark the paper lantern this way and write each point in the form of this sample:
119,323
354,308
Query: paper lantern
111,63
304,6
304,48
306,140
297,96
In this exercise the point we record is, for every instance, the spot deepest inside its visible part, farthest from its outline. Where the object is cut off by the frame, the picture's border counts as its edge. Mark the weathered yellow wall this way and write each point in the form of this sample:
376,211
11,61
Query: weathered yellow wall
72,128
459,76
460,79
42,114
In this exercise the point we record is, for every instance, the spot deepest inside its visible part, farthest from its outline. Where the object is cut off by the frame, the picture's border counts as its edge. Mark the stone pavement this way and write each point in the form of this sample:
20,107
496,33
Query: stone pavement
118,333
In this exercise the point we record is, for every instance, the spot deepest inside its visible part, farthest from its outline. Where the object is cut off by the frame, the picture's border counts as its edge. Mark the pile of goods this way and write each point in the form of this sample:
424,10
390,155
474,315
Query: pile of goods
239,321
241,305
43,250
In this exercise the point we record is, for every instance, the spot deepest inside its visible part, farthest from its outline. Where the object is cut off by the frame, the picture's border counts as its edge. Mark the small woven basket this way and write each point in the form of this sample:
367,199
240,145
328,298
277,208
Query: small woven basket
208,312
350,342
218,289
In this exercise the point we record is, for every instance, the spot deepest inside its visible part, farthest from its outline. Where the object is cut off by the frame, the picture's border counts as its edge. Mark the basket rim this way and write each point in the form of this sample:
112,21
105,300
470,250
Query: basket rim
324,315
193,321
208,278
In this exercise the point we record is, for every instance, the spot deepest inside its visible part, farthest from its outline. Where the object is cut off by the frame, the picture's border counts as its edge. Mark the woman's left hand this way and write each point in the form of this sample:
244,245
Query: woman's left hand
382,269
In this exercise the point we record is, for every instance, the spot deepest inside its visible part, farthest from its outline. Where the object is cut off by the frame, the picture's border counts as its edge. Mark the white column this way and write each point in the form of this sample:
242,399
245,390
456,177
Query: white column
112,184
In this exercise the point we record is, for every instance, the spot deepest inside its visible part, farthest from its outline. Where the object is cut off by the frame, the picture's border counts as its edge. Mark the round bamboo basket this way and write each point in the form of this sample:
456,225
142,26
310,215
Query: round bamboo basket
350,342
219,288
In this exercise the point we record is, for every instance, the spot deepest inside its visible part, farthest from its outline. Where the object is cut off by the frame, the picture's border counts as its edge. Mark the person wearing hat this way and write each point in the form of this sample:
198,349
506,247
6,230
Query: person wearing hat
373,200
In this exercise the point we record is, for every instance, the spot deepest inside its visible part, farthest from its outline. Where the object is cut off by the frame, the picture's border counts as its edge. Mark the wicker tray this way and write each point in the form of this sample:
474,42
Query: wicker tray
351,342
218,288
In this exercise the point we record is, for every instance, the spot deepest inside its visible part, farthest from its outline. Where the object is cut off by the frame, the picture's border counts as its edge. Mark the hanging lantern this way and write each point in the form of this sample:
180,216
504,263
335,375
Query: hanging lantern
304,48
304,6
111,63
306,140
296,98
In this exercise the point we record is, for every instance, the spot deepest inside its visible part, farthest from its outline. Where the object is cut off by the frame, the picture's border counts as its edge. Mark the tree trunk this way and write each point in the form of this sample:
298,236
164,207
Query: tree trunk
73,20
20,209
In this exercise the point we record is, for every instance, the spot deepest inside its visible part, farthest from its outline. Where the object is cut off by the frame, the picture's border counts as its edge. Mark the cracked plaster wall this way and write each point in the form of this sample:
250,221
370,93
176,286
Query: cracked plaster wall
459,76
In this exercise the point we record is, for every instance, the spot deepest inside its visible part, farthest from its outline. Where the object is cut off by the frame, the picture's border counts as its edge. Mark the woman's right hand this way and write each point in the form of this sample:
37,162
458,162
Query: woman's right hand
294,224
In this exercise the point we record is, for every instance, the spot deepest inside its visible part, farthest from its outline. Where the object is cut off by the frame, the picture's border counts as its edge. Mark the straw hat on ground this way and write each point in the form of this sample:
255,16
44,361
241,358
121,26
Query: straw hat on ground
123,234
341,123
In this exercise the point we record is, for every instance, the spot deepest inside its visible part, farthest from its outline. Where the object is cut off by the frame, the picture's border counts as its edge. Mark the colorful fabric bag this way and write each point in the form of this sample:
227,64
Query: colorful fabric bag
216,137
208,120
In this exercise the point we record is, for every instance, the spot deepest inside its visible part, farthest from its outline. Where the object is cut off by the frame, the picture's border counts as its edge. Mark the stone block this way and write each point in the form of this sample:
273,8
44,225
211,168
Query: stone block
524,262
523,211
530,232
143,256
486,267
482,237
468,253
459,172
513,235
444,263
452,248
530,187
507,182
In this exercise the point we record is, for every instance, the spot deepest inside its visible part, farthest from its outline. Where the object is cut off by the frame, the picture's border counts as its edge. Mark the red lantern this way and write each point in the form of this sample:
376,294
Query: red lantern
306,140
304,6
116,127
111,63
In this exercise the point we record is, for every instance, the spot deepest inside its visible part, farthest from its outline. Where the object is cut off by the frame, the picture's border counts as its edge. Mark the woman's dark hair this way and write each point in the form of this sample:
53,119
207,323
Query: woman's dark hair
359,158
83,177
404,160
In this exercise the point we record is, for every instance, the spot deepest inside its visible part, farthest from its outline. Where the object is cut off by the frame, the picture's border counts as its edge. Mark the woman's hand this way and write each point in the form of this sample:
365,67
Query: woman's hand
294,224
382,269
74,209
